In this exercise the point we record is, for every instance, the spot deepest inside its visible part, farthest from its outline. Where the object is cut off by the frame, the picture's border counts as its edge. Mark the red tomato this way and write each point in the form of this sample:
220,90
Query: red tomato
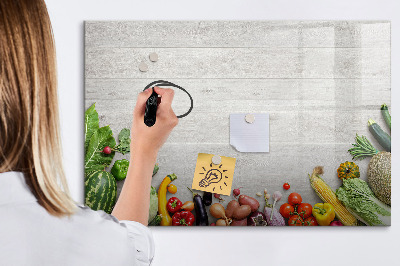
286,210
295,220
294,198
304,210
310,221
286,186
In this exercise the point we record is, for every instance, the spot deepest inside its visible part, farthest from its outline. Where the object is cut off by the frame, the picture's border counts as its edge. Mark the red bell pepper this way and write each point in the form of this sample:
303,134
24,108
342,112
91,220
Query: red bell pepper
183,218
174,205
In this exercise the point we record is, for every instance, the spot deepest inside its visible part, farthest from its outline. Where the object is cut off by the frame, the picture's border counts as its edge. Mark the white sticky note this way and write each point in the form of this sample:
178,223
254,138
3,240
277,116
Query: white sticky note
249,137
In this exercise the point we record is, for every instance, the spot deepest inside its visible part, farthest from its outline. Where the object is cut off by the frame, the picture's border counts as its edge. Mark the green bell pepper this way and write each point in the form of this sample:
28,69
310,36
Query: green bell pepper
120,169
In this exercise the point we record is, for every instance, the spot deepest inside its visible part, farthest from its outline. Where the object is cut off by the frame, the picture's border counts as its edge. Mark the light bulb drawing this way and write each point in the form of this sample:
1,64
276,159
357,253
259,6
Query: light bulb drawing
213,176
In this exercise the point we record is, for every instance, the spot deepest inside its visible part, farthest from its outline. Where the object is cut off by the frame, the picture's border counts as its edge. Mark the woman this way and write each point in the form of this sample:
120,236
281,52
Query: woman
39,222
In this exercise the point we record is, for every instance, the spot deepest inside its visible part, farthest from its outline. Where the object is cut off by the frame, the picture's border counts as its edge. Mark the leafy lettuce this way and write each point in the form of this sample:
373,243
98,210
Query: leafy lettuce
153,204
359,199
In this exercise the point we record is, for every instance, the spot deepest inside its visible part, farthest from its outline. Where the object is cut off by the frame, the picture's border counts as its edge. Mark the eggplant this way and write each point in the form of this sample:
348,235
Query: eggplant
200,208
257,219
207,198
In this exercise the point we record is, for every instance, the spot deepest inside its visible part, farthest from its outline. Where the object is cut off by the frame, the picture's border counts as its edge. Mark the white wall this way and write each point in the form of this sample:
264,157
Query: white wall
236,246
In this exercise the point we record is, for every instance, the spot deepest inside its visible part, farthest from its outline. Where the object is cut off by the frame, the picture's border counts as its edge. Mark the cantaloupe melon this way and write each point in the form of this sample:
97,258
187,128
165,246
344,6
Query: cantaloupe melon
380,176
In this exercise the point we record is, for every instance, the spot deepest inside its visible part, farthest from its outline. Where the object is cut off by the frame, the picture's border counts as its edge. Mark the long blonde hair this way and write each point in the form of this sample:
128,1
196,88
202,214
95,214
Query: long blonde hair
29,123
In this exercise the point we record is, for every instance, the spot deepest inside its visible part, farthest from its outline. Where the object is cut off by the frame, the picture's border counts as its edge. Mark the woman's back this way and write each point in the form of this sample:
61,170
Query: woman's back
29,235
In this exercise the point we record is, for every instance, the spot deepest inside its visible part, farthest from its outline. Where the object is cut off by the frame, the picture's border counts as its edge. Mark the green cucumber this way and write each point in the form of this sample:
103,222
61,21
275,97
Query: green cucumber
381,136
386,115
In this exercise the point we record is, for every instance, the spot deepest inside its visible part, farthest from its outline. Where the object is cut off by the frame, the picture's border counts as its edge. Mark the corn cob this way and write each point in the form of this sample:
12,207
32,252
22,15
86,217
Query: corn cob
326,194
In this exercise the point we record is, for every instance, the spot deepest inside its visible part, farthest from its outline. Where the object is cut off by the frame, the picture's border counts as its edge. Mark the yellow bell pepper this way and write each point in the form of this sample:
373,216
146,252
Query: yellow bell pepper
324,213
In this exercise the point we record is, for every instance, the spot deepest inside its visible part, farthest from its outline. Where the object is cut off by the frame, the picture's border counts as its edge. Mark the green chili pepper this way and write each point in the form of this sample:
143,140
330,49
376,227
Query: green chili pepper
120,169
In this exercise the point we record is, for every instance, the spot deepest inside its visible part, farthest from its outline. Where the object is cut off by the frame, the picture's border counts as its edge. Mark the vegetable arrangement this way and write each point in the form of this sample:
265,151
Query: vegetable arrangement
100,148
379,173
355,201
368,202
297,212
327,195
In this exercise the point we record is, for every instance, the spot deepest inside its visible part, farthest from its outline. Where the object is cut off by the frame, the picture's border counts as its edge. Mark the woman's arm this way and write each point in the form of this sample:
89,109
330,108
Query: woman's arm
134,200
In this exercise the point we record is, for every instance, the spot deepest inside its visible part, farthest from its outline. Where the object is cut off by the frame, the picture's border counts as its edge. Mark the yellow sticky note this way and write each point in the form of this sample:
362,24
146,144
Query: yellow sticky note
214,178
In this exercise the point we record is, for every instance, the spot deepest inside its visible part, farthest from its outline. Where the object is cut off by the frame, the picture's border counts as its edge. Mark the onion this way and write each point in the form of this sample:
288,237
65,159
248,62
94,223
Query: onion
336,223
257,219
221,222
217,211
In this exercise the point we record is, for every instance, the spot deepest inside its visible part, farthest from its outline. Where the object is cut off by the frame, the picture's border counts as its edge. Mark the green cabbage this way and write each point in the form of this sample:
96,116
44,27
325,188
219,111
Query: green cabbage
153,204
362,203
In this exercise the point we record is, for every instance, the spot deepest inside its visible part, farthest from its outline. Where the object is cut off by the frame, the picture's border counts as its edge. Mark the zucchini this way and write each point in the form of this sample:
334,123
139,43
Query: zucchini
381,136
386,115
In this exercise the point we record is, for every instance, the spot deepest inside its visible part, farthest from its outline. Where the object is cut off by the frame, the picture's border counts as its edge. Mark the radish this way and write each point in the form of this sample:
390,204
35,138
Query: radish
107,150
236,192
218,196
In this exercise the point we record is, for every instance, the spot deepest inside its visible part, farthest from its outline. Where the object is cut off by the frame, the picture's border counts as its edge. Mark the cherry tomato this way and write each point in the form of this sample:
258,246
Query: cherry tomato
304,210
172,189
294,198
310,221
295,220
286,186
286,210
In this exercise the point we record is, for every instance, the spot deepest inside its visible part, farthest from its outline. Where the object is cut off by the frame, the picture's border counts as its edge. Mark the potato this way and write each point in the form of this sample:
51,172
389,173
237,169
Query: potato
239,222
242,212
221,222
232,205
252,202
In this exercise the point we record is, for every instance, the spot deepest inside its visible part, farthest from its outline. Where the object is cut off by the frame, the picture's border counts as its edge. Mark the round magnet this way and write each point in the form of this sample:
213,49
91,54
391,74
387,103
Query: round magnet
250,118
216,159
153,57
143,67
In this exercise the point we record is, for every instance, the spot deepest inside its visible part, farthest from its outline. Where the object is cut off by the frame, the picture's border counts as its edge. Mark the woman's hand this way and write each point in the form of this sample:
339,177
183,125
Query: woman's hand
148,140
134,200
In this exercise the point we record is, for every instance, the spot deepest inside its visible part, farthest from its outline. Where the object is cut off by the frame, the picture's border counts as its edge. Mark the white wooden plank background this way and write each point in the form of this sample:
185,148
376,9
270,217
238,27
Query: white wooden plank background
319,80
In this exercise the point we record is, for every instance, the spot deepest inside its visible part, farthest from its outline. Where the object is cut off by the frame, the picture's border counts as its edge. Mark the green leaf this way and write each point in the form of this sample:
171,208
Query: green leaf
124,135
124,138
123,148
91,124
95,159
